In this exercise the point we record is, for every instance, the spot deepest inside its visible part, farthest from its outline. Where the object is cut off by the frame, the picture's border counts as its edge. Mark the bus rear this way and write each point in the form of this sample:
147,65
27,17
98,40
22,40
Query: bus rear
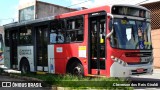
130,42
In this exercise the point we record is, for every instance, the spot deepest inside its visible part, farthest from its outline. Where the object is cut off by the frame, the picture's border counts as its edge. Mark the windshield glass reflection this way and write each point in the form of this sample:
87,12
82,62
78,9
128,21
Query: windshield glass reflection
131,34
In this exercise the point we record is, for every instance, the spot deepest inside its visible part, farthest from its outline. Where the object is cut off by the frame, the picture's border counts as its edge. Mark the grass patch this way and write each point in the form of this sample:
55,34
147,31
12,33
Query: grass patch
75,82
81,82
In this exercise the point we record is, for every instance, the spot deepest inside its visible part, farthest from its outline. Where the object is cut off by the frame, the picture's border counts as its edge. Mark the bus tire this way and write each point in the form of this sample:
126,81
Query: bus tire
25,67
77,69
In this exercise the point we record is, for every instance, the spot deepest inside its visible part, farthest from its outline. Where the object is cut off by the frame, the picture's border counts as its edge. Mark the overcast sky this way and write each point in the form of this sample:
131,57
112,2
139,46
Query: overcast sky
9,8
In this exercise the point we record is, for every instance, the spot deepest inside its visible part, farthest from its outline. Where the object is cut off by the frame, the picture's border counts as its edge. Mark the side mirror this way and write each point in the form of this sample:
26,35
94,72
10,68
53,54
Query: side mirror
110,25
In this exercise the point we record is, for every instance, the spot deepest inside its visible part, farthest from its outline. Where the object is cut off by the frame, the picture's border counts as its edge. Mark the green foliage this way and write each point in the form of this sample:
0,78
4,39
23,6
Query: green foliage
75,82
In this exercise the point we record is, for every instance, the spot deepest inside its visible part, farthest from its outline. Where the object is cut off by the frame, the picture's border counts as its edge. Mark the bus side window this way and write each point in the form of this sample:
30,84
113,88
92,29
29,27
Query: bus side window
68,36
75,29
60,36
25,36
57,34
6,38
53,36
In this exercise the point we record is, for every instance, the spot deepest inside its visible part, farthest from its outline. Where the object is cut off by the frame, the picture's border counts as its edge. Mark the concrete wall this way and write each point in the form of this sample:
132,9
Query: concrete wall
45,10
156,47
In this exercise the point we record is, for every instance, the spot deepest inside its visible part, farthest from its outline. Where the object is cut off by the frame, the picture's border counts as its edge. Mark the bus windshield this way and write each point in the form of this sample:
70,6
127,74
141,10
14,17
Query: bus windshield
131,34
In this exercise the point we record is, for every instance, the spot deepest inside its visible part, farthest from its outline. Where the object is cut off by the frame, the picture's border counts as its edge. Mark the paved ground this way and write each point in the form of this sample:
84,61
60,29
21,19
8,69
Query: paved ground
4,79
7,79
154,77
149,78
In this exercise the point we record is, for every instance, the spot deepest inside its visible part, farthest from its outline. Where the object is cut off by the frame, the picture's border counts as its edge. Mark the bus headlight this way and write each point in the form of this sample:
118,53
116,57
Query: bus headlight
112,57
115,59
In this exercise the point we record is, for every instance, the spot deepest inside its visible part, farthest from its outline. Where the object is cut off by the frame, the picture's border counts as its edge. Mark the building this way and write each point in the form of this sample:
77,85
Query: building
39,9
154,7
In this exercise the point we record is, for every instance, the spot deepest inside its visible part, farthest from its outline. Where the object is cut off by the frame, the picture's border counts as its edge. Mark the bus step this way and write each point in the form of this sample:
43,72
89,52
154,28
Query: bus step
92,75
40,72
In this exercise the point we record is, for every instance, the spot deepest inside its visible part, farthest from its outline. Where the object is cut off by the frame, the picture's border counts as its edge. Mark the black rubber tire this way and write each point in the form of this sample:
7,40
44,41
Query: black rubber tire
77,69
25,67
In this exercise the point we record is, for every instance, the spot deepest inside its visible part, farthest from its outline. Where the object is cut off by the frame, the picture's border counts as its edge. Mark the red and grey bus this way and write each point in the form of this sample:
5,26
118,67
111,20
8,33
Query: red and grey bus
111,41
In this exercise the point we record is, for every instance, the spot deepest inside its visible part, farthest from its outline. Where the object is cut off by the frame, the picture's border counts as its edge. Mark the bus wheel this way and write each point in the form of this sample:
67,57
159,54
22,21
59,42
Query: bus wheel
77,69
25,67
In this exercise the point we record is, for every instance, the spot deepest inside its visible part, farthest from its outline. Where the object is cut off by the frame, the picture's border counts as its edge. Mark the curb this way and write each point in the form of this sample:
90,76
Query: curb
21,77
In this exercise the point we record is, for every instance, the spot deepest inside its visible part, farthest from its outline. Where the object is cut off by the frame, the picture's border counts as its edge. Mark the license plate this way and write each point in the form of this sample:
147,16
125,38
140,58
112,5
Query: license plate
140,70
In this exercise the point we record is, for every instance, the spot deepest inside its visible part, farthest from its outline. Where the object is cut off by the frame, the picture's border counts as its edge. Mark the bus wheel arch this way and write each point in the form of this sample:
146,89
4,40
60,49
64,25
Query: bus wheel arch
24,65
75,67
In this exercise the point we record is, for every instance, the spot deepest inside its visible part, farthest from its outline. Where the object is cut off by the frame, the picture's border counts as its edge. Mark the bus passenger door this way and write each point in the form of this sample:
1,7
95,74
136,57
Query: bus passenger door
97,43
41,48
13,49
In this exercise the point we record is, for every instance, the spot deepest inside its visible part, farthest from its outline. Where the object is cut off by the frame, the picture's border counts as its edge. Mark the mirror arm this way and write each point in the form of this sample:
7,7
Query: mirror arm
109,34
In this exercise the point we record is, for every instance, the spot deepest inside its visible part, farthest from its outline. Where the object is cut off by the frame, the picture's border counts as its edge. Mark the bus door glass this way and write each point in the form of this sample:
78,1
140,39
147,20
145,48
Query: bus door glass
41,48
13,46
97,30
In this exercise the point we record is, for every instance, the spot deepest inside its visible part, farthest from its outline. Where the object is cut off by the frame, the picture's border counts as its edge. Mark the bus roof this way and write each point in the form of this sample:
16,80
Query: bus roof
86,11
16,24
74,13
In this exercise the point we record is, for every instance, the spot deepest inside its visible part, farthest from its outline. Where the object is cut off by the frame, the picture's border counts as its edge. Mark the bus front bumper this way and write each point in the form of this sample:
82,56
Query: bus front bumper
118,70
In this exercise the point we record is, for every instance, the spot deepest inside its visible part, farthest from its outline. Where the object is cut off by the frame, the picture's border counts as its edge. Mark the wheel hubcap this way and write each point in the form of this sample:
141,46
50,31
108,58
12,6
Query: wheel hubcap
77,71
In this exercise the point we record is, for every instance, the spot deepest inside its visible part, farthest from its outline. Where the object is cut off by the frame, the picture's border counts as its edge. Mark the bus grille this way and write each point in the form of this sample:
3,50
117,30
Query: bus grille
138,54
134,72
